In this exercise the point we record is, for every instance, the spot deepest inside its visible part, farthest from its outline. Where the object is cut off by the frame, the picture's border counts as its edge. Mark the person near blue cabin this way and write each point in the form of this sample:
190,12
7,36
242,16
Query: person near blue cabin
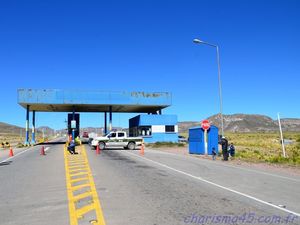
214,153
231,150
224,143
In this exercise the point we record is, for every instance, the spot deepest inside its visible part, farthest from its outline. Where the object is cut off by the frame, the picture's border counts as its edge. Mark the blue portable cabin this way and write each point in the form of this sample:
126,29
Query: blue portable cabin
196,140
154,128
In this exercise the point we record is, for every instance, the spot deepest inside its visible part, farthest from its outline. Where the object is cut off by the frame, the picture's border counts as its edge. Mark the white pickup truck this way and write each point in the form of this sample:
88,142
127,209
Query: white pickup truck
116,139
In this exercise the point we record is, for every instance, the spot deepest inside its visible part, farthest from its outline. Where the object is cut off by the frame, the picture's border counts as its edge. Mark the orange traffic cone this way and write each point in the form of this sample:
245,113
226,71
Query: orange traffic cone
97,150
43,151
11,152
142,150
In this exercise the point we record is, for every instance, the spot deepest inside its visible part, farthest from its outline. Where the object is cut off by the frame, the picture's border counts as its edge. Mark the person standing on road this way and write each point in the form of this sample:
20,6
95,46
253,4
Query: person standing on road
224,143
77,141
214,153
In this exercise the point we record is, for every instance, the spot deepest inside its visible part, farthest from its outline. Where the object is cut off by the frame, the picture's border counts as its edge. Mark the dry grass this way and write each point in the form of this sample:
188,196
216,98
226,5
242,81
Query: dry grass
266,147
16,140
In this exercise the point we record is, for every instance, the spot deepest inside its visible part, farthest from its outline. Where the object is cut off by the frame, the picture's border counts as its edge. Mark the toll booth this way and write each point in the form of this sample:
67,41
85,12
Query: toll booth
73,125
154,128
196,140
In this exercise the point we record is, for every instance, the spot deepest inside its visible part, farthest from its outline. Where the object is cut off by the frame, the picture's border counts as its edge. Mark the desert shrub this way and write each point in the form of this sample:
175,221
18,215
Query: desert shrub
256,152
20,145
265,146
278,159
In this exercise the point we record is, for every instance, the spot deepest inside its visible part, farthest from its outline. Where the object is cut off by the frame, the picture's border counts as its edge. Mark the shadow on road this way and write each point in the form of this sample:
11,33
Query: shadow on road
5,163
53,143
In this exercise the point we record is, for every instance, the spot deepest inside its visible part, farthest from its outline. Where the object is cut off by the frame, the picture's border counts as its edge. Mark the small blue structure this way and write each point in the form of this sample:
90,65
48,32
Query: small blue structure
154,128
196,140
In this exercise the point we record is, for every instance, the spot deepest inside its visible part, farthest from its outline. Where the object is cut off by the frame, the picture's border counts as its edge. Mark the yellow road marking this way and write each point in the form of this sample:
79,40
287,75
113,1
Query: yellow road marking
78,165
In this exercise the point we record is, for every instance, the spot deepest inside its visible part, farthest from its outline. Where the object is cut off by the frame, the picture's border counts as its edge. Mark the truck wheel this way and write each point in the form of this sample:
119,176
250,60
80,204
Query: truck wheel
131,145
102,145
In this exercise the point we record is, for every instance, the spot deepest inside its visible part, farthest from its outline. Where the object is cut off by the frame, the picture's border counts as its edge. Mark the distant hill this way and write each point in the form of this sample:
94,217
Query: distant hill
47,130
246,123
97,130
6,128
232,123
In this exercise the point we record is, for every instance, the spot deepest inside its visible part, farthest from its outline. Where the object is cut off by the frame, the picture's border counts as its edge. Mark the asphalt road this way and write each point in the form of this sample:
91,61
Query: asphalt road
33,188
157,188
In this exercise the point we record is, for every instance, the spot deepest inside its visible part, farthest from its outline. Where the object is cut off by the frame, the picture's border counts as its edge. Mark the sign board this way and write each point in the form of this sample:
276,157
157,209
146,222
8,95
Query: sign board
73,124
205,124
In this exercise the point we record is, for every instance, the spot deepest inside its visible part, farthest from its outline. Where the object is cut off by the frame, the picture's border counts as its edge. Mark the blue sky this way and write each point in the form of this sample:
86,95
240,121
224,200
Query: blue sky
147,46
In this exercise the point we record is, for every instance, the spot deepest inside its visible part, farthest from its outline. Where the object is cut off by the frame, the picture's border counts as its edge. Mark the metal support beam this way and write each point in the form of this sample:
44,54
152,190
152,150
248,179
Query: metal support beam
73,130
33,128
105,123
27,126
110,118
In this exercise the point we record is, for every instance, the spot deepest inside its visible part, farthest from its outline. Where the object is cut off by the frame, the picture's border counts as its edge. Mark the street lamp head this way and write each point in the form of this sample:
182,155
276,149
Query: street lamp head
197,41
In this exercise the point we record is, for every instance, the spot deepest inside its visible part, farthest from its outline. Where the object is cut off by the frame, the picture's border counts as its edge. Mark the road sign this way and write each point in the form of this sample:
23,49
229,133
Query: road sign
73,124
205,124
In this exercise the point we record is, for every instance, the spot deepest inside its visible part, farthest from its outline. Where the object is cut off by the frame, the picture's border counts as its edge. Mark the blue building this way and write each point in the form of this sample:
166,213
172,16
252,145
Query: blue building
154,128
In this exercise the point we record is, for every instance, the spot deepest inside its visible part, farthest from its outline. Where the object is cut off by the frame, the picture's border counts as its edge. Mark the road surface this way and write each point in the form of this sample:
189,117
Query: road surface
155,188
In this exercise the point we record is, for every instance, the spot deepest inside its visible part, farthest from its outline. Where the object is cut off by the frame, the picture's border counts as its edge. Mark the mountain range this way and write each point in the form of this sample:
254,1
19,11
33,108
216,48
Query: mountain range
6,128
246,123
232,123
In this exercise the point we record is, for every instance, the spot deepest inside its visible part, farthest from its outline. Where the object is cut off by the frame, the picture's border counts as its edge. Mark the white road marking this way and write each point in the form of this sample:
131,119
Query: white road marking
231,166
5,160
20,153
214,184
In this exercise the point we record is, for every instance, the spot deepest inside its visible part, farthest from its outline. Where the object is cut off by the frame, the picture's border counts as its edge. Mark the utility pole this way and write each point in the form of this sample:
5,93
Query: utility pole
281,136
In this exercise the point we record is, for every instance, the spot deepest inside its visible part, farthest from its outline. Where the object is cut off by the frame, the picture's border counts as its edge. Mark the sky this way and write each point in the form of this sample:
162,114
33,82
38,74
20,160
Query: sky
147,46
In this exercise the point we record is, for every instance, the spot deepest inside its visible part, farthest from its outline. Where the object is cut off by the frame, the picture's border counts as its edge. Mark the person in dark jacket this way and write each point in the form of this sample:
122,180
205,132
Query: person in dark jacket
224,143
231,150
71,147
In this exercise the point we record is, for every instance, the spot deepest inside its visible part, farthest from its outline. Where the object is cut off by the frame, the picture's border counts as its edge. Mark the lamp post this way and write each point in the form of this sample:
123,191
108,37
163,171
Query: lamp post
198,41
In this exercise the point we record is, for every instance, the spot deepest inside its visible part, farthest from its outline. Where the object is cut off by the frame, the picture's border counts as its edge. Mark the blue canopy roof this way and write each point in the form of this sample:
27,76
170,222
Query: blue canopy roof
56,100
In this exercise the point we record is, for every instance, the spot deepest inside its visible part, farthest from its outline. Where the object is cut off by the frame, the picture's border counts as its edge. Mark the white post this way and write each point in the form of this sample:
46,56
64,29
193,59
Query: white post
281,136
205,142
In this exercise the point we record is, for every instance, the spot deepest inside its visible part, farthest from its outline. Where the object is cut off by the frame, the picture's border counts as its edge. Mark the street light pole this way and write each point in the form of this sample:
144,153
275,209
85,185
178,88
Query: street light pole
198,41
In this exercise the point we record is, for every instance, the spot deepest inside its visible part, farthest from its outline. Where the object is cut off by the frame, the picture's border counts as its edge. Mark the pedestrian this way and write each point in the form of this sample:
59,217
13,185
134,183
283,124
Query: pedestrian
231,150
71,147
224,143
77,141
214,153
